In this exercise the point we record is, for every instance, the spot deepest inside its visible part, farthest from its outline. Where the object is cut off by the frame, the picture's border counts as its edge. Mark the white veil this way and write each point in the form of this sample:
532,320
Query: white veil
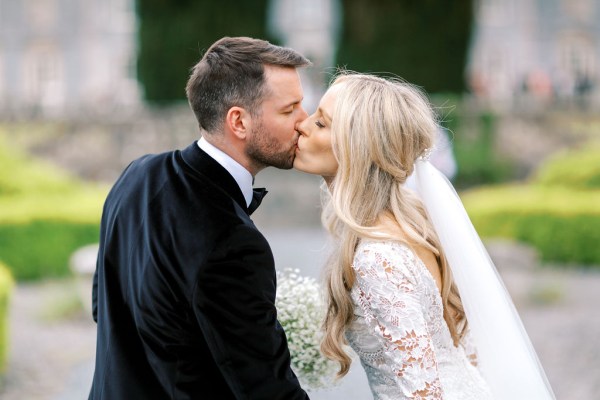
505,355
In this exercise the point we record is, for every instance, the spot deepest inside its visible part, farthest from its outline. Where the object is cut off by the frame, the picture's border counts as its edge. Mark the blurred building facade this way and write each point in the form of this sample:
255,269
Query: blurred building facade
62,58
540,49
313,28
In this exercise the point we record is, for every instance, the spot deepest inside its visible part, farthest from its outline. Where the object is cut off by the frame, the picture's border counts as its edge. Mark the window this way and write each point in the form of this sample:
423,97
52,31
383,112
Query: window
2,89
44,77
122,15
495,12
582,10
577,55
41,14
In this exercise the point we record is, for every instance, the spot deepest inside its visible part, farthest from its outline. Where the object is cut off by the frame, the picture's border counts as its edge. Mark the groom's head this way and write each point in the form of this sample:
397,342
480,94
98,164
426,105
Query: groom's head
248,91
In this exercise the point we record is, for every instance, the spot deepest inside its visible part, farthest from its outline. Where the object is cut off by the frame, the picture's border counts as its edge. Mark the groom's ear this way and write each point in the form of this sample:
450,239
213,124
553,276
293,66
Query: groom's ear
239,122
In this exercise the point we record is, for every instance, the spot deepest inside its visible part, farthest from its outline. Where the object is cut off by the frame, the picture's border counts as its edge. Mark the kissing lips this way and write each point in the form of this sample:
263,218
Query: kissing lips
298,144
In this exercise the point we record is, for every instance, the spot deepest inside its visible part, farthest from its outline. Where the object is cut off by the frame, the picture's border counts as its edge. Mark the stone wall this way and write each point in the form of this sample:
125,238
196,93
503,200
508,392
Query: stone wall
528,134
99,149
529,139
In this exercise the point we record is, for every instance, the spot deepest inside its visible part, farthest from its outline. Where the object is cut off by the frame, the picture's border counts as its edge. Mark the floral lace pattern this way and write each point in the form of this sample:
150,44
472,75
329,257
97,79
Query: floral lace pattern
399,331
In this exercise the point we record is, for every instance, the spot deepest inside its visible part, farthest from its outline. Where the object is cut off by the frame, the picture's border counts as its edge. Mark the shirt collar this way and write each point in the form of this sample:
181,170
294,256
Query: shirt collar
241,175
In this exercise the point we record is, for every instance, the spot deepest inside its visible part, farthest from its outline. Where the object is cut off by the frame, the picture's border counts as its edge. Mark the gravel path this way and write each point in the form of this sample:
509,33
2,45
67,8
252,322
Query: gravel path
52,339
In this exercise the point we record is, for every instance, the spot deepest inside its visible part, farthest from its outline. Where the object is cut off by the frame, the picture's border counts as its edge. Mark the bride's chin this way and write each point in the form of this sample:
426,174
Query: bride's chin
298,166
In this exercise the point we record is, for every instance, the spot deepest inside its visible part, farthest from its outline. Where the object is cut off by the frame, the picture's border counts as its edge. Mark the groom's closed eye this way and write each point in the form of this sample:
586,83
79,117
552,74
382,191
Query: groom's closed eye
290,107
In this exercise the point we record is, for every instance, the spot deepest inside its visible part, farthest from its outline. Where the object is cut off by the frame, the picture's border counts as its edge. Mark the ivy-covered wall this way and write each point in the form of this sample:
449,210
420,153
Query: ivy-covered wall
423,41
174,34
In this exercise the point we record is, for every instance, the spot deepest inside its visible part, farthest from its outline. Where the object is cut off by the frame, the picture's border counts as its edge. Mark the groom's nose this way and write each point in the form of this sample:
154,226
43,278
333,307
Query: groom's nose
302,114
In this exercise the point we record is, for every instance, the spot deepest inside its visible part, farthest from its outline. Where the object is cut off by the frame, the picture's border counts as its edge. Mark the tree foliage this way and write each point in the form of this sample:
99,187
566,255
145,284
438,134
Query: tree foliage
173,35
422,41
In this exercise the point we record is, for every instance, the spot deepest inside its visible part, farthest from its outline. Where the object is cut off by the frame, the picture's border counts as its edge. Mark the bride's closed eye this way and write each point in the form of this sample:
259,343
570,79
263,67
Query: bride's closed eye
319,124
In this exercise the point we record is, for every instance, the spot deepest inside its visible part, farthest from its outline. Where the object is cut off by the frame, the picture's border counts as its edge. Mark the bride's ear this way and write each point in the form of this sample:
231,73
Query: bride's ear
239,122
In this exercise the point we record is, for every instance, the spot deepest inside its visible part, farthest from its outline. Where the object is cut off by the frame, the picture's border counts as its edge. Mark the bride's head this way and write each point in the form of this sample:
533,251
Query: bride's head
364,139
365,123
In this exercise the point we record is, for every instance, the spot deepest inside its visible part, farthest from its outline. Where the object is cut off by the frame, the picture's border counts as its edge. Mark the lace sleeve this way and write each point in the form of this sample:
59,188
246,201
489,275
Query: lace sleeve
469,347
391,301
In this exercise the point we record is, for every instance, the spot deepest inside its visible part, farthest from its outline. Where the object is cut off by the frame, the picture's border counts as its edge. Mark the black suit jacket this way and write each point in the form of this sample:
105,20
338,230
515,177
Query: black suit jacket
184,289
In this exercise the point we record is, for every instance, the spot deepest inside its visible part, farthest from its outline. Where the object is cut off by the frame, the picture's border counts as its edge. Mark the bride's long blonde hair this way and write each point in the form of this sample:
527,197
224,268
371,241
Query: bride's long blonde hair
379,128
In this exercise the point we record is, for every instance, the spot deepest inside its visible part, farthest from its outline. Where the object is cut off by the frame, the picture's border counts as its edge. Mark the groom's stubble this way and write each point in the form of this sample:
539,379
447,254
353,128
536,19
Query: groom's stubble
264,149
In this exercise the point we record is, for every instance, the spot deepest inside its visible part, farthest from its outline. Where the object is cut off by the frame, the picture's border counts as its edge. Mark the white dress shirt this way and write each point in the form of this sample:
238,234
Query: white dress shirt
241,175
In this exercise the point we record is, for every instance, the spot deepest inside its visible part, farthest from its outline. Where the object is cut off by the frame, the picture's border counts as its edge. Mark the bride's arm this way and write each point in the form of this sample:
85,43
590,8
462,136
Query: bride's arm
391,301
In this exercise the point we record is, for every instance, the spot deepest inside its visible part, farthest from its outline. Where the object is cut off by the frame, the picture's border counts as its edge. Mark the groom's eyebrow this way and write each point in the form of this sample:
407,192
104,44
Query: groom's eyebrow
292,103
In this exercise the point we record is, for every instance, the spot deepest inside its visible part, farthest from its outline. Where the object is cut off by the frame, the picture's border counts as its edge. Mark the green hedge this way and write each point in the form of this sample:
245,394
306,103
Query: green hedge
73,206
45,215
6,285
576,169
41,248
562,224
21,174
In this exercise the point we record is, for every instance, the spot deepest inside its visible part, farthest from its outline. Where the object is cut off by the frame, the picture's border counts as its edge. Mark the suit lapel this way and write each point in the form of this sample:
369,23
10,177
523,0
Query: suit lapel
203,164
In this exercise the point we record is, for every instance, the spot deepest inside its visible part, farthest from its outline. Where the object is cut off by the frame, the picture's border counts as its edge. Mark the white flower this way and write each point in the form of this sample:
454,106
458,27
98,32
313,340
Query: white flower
300,311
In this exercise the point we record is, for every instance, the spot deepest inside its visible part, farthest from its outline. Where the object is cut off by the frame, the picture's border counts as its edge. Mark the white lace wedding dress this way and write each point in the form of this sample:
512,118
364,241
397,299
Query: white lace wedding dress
400,334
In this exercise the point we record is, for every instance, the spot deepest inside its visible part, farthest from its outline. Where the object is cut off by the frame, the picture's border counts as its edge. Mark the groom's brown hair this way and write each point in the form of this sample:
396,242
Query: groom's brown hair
231,73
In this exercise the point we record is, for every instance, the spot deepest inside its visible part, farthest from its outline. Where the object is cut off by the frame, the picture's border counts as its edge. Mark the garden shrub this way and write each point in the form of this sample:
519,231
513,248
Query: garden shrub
576,169
41,248
562,224
20,174
45,215
6,285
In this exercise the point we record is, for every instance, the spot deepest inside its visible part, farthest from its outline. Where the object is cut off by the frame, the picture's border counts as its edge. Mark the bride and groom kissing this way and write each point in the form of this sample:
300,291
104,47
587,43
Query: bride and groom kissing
184,289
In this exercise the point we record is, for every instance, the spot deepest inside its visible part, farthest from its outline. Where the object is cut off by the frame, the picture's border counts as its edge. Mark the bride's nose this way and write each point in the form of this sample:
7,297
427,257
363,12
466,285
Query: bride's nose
301,127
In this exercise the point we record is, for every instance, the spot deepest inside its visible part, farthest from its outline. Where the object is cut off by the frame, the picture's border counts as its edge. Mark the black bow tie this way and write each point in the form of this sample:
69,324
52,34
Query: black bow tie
257,196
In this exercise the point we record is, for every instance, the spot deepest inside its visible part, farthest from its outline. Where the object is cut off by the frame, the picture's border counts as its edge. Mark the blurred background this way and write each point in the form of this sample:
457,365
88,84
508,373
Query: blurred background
86,86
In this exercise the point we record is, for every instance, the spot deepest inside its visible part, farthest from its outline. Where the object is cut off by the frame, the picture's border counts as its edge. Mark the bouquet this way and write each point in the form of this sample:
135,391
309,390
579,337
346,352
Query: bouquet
300,312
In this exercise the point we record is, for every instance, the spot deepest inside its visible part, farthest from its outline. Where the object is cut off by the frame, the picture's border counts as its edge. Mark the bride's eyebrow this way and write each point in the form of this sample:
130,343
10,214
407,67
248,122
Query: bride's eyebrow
324,114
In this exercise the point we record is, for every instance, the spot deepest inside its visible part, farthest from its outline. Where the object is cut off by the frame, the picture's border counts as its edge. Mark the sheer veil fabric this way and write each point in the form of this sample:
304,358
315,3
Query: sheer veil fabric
505,354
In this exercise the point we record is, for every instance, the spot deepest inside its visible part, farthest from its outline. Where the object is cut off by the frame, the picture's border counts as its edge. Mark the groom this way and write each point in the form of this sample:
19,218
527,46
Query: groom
184,288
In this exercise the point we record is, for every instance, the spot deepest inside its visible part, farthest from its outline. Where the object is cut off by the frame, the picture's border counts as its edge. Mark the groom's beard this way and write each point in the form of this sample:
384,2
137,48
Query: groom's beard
264,149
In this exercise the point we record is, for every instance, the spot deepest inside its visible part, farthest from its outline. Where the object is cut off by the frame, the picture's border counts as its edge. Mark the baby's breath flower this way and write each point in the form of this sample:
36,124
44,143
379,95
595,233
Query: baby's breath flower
300,311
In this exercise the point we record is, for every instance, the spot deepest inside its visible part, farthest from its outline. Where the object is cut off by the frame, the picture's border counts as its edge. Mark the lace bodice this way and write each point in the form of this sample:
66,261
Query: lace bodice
399,331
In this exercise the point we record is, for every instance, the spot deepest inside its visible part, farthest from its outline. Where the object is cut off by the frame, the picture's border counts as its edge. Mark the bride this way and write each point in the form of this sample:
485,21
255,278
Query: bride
410,286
